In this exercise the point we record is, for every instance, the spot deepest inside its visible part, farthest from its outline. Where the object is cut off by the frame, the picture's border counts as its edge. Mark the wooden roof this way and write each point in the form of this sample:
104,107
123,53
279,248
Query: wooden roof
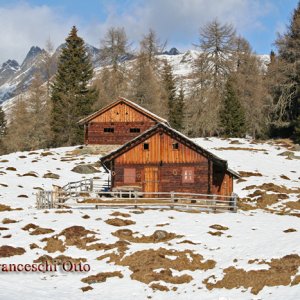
133,105
161,127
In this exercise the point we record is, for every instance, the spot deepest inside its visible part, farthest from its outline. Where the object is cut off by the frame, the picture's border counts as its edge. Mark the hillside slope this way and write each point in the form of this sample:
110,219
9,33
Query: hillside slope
251,254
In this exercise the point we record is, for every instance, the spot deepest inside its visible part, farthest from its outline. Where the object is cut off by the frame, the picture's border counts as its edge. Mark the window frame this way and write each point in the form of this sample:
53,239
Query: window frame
108,129
188,175
129,175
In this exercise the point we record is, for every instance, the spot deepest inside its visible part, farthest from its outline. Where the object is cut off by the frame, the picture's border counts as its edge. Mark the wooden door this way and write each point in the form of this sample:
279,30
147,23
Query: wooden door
151,182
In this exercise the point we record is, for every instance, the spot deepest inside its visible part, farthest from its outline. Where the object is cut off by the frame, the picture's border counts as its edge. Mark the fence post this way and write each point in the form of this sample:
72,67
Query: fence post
91,184
172,196
233,202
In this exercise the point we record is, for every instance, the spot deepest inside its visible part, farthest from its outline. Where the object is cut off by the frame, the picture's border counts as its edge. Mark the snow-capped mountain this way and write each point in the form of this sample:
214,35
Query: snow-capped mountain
15,79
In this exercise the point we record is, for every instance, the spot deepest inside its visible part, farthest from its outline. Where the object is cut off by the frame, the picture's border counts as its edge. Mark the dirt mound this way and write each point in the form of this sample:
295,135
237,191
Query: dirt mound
119,222
8,221
7,251
119,214
86,288
51,175
84,169
101,277
280,272
157,237
32,174
218,227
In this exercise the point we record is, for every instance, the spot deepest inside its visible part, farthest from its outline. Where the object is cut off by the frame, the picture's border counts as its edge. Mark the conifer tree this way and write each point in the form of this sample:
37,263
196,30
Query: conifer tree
286,93
3,129
71,97
179,110
168,81
2,123
232,116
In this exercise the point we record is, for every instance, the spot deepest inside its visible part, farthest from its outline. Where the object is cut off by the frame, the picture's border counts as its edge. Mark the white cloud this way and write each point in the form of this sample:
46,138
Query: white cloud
180,20
177,21
23,26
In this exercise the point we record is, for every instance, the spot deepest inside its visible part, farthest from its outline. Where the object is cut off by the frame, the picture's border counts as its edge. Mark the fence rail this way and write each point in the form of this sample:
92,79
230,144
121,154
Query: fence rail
89,193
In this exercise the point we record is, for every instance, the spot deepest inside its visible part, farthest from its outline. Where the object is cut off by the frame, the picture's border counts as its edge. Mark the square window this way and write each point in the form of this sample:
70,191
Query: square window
175,146
136,130
109,129
188,175
146,146
129,175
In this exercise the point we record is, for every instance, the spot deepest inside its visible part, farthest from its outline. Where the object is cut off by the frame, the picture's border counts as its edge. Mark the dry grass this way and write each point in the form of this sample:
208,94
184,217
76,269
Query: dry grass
32,174
8,221
293,204
119,222
86,288
73,236
215,233
249,174
4,207
157,237
53,245
58,260
218,227
119,214
280,272
101,277
290,230
63,211
33,246
7,251
144,264
271,187
157,286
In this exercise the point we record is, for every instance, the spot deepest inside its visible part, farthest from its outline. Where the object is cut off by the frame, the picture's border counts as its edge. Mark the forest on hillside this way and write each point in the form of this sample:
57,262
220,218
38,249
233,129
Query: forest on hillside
230,94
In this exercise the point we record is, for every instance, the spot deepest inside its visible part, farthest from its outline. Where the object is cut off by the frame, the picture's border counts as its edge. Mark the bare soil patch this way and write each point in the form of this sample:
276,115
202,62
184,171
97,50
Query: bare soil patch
218,227
144,264
8,221
7,251
119,222
86,288
101,277
58,260
280,272
4,207
119,214
157,237
249,174
73,236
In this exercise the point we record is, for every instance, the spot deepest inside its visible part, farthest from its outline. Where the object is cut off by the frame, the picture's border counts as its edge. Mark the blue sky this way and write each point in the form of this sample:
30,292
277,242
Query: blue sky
32,22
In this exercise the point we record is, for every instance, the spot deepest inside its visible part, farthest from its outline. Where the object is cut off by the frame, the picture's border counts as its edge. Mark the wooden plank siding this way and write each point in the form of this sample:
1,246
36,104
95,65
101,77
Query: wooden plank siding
121,118
166,161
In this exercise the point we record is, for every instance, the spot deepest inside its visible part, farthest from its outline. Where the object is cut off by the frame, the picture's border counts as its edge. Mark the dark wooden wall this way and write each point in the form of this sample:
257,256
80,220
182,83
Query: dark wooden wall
161,168
121,118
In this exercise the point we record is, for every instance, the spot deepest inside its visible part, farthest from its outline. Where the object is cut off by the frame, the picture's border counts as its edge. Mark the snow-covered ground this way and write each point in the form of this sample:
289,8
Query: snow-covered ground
243,236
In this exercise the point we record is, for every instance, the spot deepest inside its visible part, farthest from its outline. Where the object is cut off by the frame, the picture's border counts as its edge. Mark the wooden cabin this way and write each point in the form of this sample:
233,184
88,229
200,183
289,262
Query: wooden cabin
163,160
118,123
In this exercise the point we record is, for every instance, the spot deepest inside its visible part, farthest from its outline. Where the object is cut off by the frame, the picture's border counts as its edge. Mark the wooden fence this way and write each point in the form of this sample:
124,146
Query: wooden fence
86,194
